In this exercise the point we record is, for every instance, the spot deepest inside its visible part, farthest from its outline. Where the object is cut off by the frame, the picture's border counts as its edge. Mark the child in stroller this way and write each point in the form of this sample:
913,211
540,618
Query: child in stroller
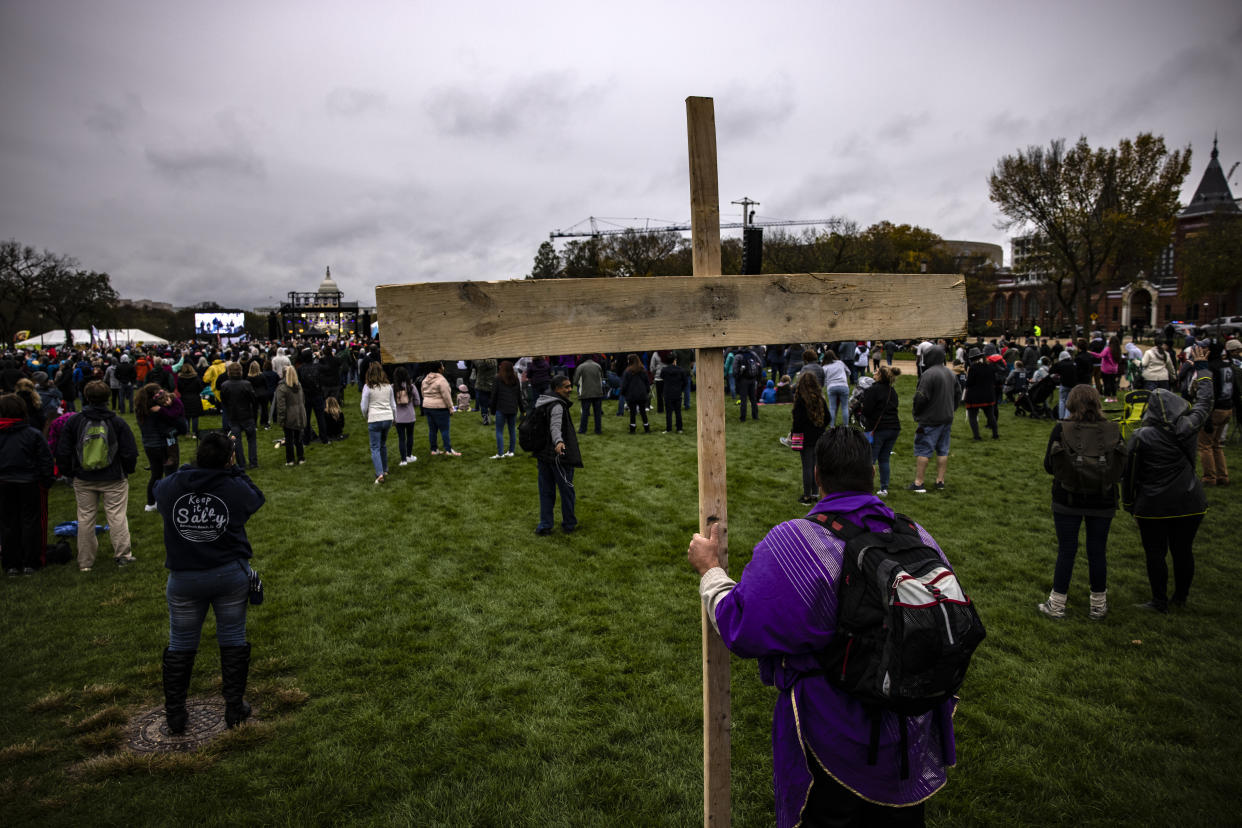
1033,402
1015,383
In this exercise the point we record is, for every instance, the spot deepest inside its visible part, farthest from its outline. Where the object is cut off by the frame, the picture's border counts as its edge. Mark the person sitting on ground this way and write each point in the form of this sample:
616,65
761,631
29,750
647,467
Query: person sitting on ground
334,419
768,397
784,390
463,397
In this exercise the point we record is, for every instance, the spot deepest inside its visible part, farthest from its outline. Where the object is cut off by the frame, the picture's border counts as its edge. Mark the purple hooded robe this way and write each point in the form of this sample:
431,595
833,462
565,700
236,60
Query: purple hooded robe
784,610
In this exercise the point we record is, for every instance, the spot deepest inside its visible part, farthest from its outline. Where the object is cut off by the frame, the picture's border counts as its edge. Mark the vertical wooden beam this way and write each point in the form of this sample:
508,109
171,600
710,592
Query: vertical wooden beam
713,505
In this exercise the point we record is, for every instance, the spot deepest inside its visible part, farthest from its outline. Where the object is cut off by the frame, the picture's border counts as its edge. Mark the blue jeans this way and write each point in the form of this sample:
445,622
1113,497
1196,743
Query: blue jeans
554,477
378,434
503,421
882,443
438,423
590,404
189,592
838,403
1067,549
1062,397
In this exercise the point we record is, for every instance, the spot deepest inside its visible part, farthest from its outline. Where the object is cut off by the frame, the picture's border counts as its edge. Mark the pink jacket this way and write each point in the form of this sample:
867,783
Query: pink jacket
436,392
1108,365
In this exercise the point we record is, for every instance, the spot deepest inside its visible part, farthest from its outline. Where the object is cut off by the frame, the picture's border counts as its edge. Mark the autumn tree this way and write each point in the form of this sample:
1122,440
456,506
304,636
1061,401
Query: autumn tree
582,258
1098,216
635,253
547,263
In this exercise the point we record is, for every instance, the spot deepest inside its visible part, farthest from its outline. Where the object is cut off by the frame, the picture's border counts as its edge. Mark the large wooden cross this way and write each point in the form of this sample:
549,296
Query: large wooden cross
707,311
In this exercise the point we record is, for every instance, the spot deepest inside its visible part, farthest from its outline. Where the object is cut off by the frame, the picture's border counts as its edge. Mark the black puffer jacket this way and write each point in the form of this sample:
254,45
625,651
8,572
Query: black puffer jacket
24,455
1159,480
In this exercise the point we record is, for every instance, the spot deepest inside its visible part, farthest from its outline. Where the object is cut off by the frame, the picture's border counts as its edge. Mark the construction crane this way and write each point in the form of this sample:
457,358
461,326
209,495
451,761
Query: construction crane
748,220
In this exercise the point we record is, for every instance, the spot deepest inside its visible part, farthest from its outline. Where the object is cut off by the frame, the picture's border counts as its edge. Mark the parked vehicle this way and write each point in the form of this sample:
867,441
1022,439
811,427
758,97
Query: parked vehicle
1221,326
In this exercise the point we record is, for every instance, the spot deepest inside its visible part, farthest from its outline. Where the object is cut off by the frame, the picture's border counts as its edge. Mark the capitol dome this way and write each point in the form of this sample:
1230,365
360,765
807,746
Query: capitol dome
328,285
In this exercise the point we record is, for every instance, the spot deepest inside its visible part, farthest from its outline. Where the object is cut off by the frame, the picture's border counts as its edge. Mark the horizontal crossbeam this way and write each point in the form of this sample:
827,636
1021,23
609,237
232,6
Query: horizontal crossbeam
472,320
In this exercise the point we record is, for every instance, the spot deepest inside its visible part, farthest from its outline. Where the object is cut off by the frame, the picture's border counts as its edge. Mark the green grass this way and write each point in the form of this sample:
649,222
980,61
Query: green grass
424,659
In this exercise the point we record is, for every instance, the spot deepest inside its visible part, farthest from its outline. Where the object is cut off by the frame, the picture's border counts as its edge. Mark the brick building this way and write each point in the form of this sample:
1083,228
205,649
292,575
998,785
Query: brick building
1019,302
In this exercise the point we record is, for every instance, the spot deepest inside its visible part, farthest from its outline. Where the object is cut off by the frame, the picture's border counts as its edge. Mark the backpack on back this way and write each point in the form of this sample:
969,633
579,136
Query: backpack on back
533,430
747,365
96,446
1089,458
906,629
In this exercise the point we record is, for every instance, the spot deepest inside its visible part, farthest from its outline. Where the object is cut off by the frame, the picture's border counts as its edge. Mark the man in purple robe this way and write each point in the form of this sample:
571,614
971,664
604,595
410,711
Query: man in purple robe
782,612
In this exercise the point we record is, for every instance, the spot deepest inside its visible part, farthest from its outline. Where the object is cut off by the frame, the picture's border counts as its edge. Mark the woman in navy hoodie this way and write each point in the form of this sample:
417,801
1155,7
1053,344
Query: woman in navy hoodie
205,509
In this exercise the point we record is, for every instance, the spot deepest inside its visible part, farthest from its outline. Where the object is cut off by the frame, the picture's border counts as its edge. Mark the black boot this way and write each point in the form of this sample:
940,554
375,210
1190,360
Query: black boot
234,669
178,665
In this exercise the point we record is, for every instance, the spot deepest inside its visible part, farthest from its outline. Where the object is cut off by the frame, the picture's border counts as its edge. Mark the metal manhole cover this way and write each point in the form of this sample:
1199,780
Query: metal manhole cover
148,731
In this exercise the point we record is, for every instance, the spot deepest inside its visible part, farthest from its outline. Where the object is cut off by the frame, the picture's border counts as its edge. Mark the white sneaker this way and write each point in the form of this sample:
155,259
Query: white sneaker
412,459
151,508
403,462
882,493
508,454
496,457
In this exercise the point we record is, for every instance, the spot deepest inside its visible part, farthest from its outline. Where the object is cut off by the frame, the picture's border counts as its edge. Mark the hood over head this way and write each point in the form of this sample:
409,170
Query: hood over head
933,356
1164,407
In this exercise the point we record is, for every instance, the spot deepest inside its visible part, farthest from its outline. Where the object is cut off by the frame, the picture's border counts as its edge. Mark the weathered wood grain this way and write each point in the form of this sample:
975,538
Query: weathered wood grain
468,320
713,488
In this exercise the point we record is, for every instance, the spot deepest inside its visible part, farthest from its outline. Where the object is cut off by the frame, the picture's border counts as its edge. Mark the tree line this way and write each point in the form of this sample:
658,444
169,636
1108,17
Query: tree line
841,247
41,290
1097,218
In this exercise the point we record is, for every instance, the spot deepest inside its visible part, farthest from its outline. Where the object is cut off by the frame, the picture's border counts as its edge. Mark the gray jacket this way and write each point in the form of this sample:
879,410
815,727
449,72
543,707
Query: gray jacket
935,400
589,380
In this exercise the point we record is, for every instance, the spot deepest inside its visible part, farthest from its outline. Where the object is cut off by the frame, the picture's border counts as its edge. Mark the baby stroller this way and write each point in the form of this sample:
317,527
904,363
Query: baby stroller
1135,404
1033,402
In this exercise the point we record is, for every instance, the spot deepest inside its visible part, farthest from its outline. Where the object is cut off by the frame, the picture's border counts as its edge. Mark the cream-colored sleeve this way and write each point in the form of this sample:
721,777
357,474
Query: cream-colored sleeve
713,586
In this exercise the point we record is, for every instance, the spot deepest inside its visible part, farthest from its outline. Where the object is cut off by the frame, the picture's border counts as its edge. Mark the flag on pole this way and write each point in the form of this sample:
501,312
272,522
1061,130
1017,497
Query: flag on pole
21,336
109,336
95,337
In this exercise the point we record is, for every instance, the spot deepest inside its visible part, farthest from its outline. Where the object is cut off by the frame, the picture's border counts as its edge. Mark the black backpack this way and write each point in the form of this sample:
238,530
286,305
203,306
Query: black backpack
533,430
747,365
905,628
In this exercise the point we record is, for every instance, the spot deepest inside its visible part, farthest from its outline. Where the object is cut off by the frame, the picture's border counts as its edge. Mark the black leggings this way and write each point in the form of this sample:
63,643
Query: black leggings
293,444
1175,537
156,457
638,408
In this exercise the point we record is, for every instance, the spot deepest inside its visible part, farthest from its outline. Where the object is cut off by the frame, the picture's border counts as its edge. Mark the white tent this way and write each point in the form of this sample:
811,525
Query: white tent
82,336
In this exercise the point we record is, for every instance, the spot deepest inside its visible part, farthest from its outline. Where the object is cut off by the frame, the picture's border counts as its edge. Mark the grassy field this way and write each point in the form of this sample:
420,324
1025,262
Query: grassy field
424,659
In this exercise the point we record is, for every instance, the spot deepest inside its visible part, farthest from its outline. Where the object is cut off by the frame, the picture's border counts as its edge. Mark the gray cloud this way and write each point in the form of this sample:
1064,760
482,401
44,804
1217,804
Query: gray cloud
902,129
753,111
113,118
193,163
350,102
458,110
1189,72
228,153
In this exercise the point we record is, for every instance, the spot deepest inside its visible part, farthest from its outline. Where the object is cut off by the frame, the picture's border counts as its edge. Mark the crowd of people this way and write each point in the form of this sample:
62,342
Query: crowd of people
845,418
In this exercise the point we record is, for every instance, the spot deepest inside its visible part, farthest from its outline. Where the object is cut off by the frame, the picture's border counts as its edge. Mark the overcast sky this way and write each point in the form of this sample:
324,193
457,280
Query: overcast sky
229,151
